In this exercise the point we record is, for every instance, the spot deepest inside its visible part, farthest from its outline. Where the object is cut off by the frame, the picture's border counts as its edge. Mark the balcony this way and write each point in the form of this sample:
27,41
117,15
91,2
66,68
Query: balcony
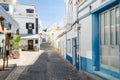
68,20
30,15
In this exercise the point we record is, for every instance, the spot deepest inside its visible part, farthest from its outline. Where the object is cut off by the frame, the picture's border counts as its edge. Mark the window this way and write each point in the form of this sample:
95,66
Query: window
102,29
9,26
69,45
17,31
29,25
5,6
30,31
109,39
36,41
117,24
106,28
112,27
29,10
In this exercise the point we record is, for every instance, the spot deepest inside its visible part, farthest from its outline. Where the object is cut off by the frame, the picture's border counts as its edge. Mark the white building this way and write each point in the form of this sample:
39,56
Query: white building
70,24
28,20
97,31
61,43
52,33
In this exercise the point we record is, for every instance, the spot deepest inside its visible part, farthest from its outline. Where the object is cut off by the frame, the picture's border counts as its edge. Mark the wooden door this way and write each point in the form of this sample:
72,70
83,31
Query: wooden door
30,44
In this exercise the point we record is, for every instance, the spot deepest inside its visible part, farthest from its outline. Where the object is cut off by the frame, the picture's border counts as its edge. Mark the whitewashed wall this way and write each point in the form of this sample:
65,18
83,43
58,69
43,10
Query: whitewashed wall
24,42
63,45
22,23
86,37
72,34
99,3
22,8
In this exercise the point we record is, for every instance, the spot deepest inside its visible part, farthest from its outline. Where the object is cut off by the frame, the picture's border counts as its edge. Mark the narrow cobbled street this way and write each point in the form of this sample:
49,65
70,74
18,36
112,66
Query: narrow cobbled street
50,65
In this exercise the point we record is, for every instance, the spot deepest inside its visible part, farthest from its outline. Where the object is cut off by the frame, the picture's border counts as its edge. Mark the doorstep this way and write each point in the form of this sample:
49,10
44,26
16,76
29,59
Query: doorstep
105,76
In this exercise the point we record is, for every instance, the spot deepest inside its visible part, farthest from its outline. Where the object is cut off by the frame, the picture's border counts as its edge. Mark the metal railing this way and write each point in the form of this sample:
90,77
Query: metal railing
25,15
68,19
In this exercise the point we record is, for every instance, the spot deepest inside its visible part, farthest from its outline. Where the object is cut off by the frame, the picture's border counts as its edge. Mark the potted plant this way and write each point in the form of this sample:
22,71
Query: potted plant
15,47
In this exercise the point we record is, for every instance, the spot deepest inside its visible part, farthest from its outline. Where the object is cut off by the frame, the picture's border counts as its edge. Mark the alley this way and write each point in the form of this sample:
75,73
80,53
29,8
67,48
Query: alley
48,66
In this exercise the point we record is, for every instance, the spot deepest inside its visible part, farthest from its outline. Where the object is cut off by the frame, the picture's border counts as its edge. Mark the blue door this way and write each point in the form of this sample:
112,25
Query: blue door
75,55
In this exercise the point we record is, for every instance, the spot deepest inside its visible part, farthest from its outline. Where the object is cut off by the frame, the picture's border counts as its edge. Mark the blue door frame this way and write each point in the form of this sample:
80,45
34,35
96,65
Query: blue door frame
96,38
74,52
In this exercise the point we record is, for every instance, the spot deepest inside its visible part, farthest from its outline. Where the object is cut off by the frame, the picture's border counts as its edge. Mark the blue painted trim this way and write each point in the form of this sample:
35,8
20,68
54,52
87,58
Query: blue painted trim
106,6
84,16
87,5
87,67
97,74
95,41
69,58
111,73
86,64
77,63
78,37
76,55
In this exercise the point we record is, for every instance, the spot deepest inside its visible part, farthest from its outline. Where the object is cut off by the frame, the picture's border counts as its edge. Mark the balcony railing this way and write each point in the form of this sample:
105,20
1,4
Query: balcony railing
68,20
25,15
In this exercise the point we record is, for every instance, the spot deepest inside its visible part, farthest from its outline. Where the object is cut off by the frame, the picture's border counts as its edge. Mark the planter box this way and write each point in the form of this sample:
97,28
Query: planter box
16,54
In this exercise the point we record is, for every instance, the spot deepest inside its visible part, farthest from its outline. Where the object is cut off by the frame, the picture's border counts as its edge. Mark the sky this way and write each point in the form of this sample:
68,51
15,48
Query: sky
50,11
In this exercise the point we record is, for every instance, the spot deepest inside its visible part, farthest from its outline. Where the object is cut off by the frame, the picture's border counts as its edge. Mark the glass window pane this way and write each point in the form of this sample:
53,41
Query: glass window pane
117,25
112,17
102,29
106,33
117,16
112,27
105,19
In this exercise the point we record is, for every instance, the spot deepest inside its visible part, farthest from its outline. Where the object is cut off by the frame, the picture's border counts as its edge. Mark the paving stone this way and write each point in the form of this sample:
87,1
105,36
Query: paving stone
49,66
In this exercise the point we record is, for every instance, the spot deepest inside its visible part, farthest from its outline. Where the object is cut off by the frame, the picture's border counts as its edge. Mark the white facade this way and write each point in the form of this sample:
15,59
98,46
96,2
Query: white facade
30,26
22,17
52,33
97,31
86,30
61,40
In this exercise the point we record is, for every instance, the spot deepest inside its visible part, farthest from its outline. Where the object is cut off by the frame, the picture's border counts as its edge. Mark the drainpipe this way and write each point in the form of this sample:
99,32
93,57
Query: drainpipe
66,43
78,34
119,42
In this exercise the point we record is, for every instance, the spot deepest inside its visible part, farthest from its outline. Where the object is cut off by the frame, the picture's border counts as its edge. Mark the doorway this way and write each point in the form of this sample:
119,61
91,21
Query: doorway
74,51
30,44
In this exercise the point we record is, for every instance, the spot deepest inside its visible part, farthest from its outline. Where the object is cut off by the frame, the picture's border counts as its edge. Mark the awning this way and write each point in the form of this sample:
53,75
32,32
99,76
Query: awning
35,36
10,19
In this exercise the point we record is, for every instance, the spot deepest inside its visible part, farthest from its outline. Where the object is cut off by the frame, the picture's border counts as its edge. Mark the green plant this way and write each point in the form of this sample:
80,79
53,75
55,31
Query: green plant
15,43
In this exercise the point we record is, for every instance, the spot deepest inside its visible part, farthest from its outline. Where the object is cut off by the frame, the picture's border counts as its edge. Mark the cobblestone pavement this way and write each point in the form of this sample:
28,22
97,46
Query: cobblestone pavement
48,66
